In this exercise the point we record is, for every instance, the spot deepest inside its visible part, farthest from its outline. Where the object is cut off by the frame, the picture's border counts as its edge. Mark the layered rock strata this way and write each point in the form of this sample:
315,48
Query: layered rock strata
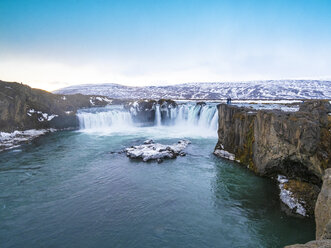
296,145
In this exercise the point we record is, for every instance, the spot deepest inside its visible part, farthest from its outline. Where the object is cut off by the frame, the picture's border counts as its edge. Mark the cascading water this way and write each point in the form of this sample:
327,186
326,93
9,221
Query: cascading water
157,115
104,118
188,118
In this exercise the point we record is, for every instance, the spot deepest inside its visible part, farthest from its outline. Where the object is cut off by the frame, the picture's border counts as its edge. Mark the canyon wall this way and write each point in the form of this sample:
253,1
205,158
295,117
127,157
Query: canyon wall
272,142
296,145
22,108
322,217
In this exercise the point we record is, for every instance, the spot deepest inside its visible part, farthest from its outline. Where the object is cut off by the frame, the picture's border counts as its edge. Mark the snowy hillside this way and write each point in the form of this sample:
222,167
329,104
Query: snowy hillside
273,89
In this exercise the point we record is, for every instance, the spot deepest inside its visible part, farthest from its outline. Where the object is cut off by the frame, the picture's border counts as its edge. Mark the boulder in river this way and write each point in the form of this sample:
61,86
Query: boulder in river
155,151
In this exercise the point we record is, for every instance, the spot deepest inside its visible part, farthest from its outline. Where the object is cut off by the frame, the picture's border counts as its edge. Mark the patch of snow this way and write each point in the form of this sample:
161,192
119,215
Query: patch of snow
224,154
287,197
264,106
136,104
64,98
43,117
103,99
50,117
289,109
155,151
12,140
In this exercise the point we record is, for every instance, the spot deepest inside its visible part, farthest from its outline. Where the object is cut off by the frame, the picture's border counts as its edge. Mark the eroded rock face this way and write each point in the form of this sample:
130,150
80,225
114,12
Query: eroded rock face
144,110
323,209
271,142
155,151
22,108
295,144
326,243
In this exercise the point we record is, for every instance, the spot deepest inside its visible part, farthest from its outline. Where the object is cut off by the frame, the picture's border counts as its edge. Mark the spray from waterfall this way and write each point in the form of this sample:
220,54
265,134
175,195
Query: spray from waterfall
184,118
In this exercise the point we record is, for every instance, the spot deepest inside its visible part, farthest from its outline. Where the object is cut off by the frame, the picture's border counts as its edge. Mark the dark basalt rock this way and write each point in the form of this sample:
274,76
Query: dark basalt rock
201,103
323,209
272,142
144,110
22,107
325,243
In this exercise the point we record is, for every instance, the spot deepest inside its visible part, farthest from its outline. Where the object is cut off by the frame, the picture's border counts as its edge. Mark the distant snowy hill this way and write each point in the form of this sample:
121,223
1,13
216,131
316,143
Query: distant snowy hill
273,89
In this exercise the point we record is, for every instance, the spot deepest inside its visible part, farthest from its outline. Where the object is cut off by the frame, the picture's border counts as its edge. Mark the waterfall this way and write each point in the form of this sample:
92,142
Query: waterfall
188,117
157,115
105,119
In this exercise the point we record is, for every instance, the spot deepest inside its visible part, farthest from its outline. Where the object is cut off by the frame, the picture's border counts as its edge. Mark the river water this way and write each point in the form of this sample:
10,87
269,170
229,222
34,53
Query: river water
69,189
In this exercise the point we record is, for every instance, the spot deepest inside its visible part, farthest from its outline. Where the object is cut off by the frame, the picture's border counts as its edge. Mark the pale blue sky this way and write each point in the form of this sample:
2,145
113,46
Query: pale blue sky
54,43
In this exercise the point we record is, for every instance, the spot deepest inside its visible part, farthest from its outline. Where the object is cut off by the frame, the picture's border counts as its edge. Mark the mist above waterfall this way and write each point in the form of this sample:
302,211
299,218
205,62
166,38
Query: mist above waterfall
183,120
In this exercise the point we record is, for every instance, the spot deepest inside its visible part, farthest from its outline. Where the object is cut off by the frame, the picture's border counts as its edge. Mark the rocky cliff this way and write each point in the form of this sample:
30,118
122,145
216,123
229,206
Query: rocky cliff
323,209
296,145
22,107
322,217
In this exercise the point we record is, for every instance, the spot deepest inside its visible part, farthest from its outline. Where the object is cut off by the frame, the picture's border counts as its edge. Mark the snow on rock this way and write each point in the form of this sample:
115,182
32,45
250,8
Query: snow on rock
50,117
104,99
288,199
11,140
224,154
267,106
93,100
42,116
155,151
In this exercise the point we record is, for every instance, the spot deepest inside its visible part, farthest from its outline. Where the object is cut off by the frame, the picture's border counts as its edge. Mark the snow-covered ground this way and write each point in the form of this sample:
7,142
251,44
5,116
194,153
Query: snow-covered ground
272,89
14,139
262,106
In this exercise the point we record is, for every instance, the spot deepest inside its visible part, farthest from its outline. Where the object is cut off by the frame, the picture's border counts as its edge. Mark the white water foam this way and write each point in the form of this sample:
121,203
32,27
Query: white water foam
185,120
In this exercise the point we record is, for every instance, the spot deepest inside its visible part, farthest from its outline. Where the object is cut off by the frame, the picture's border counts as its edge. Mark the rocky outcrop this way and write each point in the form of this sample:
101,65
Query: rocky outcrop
322,217
296,145
326,243
144,110
22,108
155,151
271,142
323,209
